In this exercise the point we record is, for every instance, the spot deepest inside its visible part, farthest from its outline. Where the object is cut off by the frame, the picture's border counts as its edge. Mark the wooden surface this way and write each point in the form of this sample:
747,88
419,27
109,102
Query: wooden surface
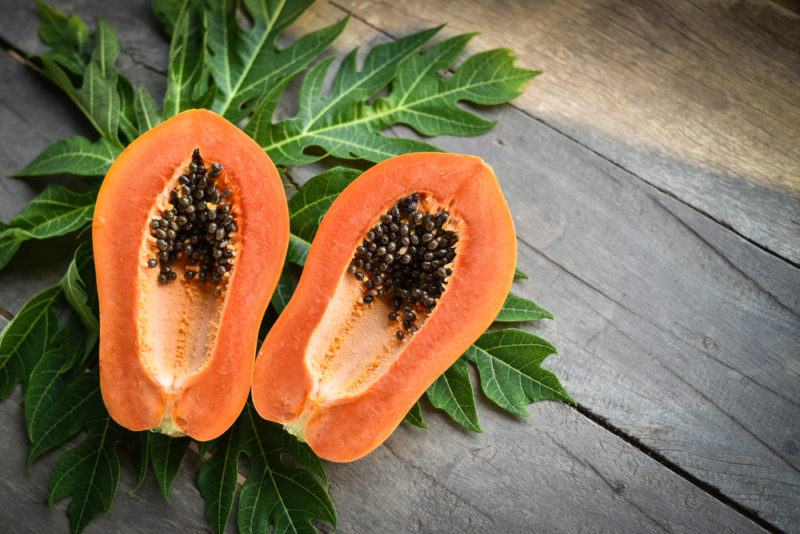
653,176
698,98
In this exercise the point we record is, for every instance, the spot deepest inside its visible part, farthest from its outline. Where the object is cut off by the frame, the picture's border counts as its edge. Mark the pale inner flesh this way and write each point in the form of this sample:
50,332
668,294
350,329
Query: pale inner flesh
354,343
177,322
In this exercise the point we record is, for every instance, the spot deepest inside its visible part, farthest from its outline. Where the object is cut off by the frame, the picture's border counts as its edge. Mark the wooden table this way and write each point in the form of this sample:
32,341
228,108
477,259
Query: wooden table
654,176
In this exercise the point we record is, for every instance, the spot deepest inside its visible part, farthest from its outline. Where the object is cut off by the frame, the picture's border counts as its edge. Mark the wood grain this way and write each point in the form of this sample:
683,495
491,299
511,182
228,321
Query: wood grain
23,505
679,332
564,474
699,98
671,326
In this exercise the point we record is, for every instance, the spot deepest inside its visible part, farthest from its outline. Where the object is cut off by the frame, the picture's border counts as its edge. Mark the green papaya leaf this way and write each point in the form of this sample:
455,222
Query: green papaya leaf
509,365
327,120
452,393
310,203
217,478
67,37
147,114
517,308
45,383
167,13
345,125
76,155
55,211
63,419
78,285
166,456
25,337
284,290
246,63
298,250
277,494
414,416
89,471
186,77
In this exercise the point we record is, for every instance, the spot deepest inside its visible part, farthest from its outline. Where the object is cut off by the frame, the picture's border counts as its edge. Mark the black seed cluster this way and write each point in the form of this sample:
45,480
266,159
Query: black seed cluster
197,227
405,259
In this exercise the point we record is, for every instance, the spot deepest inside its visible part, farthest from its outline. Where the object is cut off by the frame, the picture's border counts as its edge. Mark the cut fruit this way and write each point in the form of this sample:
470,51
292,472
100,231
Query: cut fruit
190,232
411,264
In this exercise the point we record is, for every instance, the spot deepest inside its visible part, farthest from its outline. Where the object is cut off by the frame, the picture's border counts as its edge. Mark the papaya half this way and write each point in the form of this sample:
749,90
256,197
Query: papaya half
411,264
190,232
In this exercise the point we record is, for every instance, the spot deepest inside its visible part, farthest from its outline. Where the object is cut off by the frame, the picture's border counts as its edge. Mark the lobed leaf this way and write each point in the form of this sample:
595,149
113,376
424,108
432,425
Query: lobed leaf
82,295
64,418
166,456
245,62
89,472
414,416
344,125
428,102
452,393
517,309
217,478
76,155
276,494
310,203
186,78
55,211
45,382
67,37
97,97
509,365
25,337
331,120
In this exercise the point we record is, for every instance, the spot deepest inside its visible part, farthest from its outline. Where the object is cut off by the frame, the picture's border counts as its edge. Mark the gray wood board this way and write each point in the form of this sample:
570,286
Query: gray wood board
557,472
634,388
700,99
660,330
33,115
23,500
674,328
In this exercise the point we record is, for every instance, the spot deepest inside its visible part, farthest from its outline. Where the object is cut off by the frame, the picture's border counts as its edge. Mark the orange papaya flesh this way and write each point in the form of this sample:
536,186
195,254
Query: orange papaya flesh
190,232
340,367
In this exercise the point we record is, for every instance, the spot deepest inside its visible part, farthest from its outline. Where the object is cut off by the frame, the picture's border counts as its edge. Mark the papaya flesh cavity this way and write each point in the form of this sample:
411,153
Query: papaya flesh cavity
411,264
190,232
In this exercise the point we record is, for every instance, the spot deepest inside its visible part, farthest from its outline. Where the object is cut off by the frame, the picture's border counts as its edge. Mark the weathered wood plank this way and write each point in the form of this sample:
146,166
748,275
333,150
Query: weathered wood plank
33,114
23,497
701,99
555,473
139,57
692,333
583,312
662,333
559,473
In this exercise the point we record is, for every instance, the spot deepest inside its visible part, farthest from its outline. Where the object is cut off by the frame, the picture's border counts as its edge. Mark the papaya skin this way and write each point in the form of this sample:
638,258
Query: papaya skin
343,420
176,357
